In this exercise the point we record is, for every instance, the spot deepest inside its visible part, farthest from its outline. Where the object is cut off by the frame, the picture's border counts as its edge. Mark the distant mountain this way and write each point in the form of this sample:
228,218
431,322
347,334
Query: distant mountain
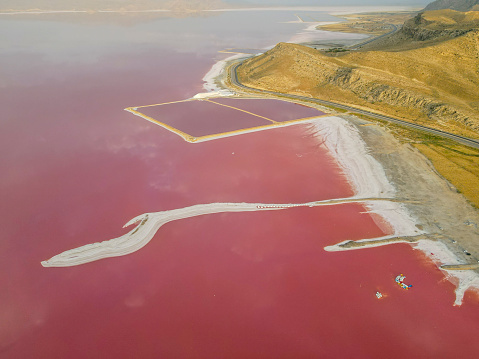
459,5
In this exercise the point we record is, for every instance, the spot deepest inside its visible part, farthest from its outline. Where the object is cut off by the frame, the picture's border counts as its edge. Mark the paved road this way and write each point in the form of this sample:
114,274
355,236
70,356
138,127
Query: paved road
394,29
463,140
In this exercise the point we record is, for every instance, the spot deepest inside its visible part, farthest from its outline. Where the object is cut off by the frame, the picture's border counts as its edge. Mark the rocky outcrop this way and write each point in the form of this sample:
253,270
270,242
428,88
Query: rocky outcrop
417,29
372,91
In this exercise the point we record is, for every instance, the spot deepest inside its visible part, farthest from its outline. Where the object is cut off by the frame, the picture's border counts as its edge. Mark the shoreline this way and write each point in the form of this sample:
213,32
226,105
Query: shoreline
40,12
217,70
439,211
347,147
416,179
332,10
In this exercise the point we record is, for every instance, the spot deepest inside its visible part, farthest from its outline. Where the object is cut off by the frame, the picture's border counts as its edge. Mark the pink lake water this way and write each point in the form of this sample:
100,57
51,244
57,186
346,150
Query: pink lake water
201,118
76,167
283,110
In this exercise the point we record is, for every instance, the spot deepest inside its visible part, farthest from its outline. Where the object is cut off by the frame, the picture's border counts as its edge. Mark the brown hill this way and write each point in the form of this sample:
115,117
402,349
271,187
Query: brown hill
435,85
460,5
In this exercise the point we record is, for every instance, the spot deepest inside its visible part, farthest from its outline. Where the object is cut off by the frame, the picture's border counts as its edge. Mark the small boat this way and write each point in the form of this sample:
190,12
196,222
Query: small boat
400,281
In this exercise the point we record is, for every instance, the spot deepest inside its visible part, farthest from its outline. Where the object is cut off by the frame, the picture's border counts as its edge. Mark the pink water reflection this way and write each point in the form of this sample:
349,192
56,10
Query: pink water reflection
200,118
208,117
277,110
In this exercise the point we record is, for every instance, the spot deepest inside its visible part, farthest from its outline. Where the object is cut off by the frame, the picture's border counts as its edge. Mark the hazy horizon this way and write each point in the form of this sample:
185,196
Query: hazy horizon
329,2
190,4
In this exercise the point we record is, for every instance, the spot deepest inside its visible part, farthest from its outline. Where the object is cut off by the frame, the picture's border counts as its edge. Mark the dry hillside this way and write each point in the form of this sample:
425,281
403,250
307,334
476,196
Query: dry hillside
435,85
460,5
427,29
376,23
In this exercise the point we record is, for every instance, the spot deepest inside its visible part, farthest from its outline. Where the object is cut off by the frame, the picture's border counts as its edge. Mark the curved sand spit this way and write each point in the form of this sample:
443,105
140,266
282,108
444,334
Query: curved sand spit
148,225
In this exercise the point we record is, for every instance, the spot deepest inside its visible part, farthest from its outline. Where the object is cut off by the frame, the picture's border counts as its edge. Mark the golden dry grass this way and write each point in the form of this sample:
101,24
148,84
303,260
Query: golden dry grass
458,164
451,17
370,23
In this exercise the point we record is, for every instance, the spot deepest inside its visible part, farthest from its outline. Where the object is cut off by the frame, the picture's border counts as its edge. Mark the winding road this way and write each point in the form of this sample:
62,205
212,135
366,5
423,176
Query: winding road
394,28
460,139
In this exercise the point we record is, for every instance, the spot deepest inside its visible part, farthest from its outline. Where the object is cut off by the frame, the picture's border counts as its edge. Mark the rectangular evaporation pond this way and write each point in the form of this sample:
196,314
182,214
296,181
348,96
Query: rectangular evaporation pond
200,118
277,110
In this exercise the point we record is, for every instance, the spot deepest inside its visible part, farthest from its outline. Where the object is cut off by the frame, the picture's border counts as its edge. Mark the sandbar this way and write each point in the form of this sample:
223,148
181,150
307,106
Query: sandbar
149,223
